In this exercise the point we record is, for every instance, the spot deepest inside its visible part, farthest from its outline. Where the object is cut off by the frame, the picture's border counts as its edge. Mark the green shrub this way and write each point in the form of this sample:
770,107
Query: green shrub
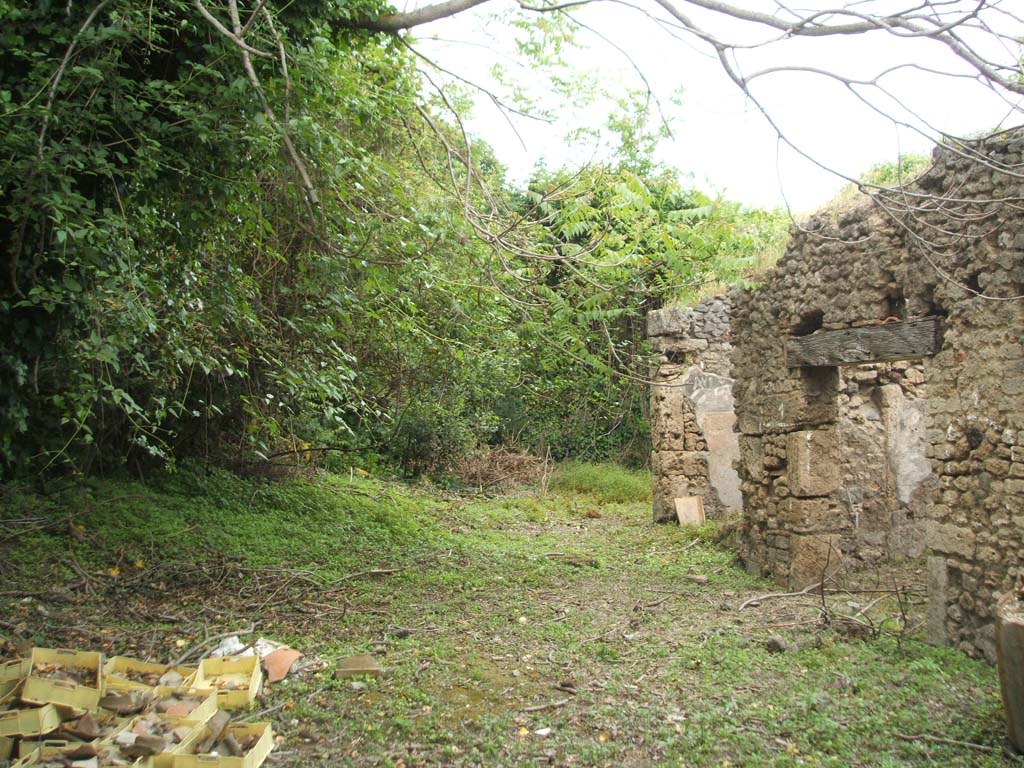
607,483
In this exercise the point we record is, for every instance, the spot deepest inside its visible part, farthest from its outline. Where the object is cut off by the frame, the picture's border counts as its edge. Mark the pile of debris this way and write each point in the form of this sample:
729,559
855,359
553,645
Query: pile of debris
492,468
75,709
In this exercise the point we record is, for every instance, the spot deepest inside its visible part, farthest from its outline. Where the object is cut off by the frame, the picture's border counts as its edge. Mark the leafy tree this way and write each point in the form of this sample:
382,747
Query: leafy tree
173,282
233,232
618,244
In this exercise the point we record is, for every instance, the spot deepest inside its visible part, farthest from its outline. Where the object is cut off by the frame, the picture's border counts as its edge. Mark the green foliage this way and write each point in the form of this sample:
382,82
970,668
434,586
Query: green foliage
491,600
172,288
890,174
755,241
160,252
616,243
605,483
886,174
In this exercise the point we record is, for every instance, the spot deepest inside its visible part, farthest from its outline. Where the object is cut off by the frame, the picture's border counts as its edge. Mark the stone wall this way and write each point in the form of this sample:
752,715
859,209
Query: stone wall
885,477
808,493
694,444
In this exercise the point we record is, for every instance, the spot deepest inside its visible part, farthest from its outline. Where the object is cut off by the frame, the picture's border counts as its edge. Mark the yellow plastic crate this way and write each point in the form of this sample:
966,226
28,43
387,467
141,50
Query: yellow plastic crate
28,760
14,670
195,735
35,757
12,674
46,747
41,690
116,668
6,747
252,759
37,721
237,680
200,714
10,691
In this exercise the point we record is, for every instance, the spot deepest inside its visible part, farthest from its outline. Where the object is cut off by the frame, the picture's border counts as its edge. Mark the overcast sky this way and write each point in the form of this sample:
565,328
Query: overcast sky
720,138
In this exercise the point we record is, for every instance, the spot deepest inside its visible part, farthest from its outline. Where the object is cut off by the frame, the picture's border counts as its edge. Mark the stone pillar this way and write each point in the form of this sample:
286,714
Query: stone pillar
692,419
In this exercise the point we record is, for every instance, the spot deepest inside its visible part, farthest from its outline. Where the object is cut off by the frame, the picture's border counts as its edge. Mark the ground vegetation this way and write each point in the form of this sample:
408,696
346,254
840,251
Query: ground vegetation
527,628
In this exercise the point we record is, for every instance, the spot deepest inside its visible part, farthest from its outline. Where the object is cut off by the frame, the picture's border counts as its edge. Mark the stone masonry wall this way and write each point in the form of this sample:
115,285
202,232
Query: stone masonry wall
694,444
886,478
956,253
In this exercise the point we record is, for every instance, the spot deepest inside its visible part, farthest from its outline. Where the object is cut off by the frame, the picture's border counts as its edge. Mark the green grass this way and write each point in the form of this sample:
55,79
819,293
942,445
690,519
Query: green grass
495,603
333,523
603,483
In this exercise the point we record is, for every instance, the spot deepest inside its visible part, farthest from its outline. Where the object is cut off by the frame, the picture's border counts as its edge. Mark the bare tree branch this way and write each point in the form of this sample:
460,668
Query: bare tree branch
396,22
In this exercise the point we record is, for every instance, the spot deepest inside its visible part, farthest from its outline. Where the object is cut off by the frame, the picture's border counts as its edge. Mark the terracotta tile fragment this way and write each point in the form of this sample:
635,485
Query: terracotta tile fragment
279,662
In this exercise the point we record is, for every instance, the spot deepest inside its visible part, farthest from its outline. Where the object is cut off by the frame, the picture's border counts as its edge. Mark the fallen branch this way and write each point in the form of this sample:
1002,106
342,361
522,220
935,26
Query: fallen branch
779,595
269,711
950,742
372,572
550,705
786,624
72,562
656,603
875,602
203,643
676,550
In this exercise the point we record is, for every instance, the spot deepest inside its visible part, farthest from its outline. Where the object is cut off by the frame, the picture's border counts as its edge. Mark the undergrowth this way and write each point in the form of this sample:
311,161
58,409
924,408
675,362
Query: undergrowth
333,523
604,483
537,629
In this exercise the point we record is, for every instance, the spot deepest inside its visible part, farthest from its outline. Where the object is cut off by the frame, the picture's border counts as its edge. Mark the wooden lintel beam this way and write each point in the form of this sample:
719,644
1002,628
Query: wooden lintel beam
905,340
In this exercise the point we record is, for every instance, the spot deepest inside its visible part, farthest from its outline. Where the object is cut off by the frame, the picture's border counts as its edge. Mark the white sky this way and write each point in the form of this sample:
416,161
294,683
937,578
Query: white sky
719,138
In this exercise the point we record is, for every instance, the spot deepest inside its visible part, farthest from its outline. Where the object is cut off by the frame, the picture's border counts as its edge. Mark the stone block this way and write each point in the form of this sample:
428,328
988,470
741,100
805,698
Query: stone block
669,321
938,586
813,462
663,509
679,464
812,516
906,541
784,413
663,344
813,558
949,539
668,420
1015,487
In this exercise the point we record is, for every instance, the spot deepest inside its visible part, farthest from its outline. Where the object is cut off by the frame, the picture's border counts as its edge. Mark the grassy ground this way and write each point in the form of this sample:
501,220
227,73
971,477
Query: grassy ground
564,630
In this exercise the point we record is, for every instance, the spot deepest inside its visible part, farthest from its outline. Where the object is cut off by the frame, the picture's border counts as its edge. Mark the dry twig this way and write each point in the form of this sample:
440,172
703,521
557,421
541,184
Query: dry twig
216,638
950,742
550,705
779,595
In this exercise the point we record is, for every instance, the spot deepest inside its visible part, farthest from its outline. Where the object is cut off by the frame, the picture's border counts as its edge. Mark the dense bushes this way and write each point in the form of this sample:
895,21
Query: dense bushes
174,287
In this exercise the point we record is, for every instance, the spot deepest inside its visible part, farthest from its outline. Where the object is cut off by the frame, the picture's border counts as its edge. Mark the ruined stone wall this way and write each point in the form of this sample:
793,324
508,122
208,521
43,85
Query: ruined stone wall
885,472
864,266
694,444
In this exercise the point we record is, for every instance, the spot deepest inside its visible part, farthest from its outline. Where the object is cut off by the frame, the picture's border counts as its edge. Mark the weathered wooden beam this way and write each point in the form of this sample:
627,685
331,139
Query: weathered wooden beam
868,344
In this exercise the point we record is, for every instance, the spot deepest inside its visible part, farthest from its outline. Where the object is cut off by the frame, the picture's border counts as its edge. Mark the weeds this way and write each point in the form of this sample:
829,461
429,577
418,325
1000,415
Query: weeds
627,649
604,483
